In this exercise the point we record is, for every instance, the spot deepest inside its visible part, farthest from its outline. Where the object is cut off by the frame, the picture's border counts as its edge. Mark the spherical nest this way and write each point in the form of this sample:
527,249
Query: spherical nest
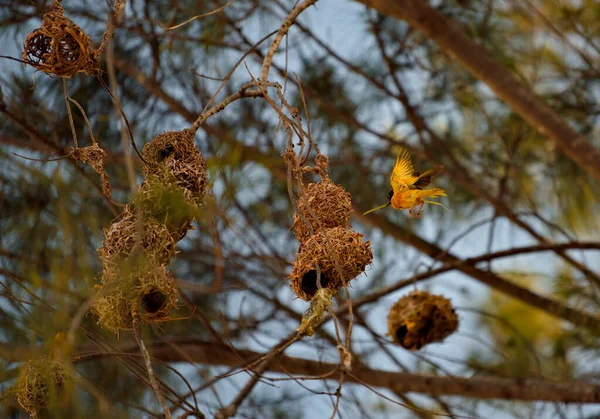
420,318
170,204
40,384
174,155
59,47
326,249
120,239
148,290
331,205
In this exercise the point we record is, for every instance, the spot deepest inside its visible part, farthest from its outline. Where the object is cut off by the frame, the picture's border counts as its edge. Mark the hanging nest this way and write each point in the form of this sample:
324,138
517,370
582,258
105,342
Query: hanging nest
59,47
120,239
169,204
96,157
330,203
148,290
420,318
174,155
40,384
326,249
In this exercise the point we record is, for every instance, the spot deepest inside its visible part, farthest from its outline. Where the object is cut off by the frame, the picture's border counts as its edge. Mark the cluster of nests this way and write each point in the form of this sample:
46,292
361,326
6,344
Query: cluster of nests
330,253
41,384
139,246
59,47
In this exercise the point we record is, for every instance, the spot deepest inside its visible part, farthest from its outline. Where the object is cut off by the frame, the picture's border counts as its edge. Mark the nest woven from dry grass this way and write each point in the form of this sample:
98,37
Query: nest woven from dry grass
174,154
326,249
120,238
420,318
59,47
331,205
147,289
96,157
40,384
169,204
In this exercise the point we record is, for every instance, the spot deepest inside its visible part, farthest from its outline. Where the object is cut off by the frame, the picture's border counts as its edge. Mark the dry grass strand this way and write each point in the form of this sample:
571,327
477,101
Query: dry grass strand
96,157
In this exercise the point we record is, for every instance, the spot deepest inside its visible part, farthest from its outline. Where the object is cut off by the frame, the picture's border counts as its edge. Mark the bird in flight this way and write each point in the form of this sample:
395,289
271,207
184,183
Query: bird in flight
408,187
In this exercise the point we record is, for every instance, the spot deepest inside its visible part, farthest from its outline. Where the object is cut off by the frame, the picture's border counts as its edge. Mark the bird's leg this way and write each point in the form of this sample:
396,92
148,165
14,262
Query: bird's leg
411,213
420,211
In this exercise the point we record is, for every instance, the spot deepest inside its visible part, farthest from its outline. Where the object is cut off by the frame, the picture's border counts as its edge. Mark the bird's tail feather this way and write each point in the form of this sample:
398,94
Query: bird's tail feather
437,203
376,208
433,192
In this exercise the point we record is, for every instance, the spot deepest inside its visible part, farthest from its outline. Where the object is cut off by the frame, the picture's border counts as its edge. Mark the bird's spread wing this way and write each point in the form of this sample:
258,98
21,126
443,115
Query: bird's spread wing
425,179
403,174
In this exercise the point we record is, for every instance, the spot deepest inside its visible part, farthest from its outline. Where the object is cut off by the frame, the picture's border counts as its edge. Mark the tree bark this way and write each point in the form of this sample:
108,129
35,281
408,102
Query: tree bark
474,57
211,353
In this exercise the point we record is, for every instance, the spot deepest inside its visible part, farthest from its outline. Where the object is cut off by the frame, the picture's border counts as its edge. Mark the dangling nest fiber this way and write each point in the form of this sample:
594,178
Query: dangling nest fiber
40,384
331,204
174,154
96,157
170,204
120,239
148,290
60,47
326,249
420,318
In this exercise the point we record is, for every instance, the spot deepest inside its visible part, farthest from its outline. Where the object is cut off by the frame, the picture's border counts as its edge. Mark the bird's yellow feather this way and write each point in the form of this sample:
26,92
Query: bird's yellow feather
402,175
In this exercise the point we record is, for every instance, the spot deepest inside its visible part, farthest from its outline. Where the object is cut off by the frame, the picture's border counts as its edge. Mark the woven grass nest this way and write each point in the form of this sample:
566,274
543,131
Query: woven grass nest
169,204
420,318
173,157
156,243
330,203
322,250
59,47
148,290
40,384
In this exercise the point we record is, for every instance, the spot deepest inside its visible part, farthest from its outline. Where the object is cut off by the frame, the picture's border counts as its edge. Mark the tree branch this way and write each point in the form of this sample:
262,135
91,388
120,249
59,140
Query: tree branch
211,353
498,283
481,65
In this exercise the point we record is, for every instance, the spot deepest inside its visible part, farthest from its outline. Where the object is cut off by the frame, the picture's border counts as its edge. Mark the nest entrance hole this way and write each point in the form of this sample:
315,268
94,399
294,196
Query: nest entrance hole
39,47
154,301
165,152
68,49
309,282
401,333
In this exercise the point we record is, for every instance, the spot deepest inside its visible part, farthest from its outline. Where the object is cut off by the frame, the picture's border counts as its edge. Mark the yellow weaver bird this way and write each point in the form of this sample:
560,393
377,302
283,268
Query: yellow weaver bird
407,187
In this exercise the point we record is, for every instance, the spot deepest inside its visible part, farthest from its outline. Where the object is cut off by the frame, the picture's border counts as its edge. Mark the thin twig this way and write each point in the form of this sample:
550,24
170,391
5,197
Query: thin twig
170,28
283,30
146,355
69,114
